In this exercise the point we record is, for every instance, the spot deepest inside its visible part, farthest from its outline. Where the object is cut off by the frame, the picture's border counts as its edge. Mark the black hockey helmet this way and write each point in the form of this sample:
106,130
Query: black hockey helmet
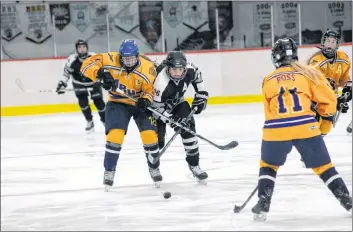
327,49
284,51
176,60
78,43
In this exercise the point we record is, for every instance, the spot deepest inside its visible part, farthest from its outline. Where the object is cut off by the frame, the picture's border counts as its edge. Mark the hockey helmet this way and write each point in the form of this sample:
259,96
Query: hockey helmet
284,51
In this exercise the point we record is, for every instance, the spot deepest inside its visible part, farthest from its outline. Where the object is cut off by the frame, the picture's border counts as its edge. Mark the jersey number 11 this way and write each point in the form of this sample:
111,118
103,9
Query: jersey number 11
296,104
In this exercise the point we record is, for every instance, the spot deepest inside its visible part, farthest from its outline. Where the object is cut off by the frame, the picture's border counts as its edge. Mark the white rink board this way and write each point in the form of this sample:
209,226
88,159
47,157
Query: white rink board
51,179
229,73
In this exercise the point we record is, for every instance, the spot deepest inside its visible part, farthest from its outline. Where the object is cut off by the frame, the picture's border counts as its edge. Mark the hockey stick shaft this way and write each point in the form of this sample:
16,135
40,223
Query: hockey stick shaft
228,146
237,209
175,135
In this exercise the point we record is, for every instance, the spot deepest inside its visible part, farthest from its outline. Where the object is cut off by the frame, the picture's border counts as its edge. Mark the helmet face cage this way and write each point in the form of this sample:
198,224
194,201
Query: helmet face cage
283,52
80,44
176,65
128,53
329,46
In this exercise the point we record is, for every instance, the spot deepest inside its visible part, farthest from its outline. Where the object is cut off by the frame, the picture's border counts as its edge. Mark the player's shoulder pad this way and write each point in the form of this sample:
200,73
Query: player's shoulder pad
91,54
70,59
192,66
161,81
148,67
342,55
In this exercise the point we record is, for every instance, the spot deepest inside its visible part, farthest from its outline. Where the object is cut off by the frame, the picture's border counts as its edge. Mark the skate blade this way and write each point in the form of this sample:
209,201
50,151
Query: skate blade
157,184
203,182
260,217
90,131
107,188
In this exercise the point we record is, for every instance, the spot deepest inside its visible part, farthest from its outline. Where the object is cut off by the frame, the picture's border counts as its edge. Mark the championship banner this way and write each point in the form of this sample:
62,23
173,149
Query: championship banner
195,14
287,18
61,13
150,21
336,15
225,18
9,22
262,21
173,13
80,17
124,15
98,17
38,20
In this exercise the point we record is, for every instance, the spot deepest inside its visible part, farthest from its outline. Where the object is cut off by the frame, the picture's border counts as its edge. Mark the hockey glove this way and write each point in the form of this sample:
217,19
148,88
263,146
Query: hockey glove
347,90
200,101
181,121
60,89
342,104
105,79
332,83
142,104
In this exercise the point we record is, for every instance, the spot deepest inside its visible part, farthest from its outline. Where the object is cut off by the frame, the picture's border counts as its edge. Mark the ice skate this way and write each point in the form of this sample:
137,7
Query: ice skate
108,180
200,175
261,209
90,126
156,176
344,198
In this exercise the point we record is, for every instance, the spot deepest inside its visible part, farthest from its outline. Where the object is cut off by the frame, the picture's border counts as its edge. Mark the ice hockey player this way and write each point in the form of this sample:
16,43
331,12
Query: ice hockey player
335,65
174,77
81,83
287,95
128,71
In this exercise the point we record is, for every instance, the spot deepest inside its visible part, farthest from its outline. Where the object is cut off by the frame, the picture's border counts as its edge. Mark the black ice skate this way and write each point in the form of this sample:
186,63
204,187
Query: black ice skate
344,198
262,207
89,126
108,179
200,175
156,176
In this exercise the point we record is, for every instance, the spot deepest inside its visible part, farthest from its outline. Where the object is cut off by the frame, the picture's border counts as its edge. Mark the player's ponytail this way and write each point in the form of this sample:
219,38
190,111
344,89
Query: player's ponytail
309,72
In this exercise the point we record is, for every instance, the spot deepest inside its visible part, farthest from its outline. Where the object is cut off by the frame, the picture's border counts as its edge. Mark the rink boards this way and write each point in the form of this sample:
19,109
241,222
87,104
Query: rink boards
230,76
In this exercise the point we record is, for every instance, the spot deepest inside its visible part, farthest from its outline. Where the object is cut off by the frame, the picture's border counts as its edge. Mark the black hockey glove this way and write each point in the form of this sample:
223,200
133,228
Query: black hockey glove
142,104
342,104
105,79
60,89
347,90
200,101
332,83
181,121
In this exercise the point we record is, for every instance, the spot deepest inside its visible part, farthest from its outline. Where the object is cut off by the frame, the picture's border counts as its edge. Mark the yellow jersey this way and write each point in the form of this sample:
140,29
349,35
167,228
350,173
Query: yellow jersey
138,83
287,97
337,68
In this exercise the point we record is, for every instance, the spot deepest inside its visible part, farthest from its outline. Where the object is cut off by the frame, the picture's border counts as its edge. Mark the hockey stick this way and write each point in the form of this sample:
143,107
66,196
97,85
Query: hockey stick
337,115
237,209
174,136
228,146
23,89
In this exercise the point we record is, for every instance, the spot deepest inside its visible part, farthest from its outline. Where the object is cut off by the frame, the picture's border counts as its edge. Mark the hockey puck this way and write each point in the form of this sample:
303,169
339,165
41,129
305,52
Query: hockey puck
349,130
167,195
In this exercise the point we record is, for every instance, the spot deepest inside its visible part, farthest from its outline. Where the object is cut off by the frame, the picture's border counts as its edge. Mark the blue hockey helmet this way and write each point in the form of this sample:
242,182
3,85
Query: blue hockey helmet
128,53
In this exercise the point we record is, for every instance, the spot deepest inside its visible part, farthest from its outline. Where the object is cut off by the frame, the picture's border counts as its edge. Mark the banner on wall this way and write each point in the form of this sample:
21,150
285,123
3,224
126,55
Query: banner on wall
262,22
124,15
225,18
80,17
173,13
98,17
287,18
38,23
150,21
336,16
61,13
9,22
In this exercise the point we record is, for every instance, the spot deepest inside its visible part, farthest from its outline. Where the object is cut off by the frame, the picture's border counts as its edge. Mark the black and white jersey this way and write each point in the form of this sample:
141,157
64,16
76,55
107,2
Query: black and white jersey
169,93
72,69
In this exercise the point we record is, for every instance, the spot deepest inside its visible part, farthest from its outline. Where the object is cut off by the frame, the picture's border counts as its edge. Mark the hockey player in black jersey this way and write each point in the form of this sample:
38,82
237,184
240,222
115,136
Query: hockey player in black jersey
72,68
175,75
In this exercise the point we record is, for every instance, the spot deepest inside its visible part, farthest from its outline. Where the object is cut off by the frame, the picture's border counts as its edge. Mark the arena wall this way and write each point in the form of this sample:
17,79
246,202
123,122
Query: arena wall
230,76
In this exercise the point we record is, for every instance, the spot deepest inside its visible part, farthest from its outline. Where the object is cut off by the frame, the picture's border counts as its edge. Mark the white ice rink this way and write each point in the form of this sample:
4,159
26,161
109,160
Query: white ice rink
51,178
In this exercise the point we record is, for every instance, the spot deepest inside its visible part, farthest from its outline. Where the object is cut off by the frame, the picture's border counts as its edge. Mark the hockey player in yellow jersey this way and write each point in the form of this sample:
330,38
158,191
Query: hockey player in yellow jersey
335,65
287,95
134,74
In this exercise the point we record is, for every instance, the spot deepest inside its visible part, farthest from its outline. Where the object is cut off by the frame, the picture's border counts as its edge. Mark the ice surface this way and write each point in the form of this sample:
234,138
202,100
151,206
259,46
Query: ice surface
51,178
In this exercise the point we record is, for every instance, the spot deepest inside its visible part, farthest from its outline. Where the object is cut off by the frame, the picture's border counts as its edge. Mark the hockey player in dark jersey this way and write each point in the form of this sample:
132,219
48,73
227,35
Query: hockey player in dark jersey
72,69
175,75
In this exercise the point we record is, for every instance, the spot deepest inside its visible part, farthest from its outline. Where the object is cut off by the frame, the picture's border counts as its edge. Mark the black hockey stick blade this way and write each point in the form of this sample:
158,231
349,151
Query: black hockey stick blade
231,145
237,209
